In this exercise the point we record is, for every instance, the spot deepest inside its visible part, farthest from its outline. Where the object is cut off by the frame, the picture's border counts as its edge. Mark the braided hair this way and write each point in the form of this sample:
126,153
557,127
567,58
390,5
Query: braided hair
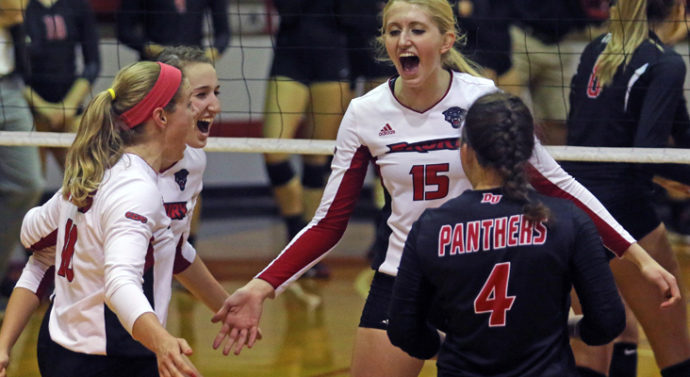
500,130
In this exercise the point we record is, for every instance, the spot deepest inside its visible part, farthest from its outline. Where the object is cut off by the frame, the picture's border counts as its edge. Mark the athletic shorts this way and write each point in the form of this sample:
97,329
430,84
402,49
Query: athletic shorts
633,210
309,64
375,312
57,361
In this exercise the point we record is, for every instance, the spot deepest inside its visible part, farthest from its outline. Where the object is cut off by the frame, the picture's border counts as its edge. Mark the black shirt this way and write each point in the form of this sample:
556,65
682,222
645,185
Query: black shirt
499,286
310,24
171,23
53,35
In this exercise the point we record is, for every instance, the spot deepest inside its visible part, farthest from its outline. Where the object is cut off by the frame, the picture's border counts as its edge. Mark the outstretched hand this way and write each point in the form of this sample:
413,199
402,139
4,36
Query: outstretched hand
240,315
173,361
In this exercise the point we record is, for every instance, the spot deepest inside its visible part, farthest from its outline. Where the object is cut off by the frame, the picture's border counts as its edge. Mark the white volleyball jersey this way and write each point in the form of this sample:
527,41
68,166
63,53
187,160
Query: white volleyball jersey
418,158
114,256
180,186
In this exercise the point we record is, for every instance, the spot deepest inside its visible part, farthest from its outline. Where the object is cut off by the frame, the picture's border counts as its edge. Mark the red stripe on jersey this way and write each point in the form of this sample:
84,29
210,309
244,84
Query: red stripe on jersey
611,238
47,241
180,263
327,232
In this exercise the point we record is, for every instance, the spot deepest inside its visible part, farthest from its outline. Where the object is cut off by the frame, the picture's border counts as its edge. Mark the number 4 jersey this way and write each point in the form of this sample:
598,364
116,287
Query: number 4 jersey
499,285
417,155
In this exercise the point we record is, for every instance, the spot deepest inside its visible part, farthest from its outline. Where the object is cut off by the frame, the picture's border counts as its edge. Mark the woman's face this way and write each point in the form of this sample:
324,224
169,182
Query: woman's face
205,89
180,124
414,43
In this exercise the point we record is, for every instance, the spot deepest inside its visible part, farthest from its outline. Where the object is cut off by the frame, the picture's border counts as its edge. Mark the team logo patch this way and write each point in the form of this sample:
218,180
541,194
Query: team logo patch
136,217
176,210
181,178
491,198
455,115
387,130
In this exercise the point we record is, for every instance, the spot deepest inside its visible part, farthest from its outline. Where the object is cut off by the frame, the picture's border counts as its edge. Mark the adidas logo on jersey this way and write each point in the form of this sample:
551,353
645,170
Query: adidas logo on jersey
387,130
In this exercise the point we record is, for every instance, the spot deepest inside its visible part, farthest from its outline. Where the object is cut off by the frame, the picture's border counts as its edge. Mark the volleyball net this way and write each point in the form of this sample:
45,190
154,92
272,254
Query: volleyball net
327,147
243,76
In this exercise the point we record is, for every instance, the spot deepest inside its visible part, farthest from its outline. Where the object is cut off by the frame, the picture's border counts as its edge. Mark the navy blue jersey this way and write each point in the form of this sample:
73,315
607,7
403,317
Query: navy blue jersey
642,107
171,23
498,285
53,35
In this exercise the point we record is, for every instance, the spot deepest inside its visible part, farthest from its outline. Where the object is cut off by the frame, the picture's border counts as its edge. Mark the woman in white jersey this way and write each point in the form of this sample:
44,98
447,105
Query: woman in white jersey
111,245
410,127
180,184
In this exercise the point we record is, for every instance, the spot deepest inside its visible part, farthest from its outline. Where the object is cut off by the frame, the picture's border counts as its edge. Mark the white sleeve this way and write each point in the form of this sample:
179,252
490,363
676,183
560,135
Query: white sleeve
128,227
34,272
40,224
547,176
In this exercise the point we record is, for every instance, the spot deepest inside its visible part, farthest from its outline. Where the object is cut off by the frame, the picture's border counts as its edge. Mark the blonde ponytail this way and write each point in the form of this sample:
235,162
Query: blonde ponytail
628,28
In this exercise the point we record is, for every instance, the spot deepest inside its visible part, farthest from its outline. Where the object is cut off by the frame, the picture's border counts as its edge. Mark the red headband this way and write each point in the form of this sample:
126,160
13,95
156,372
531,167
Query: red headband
162,92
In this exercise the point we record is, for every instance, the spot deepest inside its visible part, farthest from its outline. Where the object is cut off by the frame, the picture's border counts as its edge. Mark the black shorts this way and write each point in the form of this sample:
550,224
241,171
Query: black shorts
633,209
309,64
57,361
375,312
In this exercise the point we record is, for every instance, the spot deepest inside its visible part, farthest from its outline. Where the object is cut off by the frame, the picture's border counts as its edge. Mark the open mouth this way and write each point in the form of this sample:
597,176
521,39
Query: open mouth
409,63
203,125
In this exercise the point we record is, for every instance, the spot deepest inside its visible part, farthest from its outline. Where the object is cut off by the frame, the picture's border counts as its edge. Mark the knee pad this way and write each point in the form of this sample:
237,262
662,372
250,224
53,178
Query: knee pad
314,176
280,173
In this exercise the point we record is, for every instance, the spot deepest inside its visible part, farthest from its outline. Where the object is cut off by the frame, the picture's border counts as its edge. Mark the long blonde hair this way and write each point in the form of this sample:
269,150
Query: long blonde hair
628,28
442,16
102,136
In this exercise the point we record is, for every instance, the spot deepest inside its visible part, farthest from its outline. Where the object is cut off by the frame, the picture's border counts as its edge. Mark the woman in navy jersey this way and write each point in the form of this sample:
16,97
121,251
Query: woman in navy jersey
628,92
410,126
497,264
107,233
56,30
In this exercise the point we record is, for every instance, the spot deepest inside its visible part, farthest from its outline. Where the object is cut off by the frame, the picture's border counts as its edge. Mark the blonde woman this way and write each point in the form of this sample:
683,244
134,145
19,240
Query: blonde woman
107,233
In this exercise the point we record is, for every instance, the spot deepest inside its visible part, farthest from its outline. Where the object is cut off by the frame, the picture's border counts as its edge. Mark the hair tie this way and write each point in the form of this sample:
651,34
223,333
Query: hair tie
163,91
112,93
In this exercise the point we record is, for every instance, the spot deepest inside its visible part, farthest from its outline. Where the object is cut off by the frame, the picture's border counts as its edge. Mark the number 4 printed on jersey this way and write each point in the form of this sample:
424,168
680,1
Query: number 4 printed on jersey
493,298
67,253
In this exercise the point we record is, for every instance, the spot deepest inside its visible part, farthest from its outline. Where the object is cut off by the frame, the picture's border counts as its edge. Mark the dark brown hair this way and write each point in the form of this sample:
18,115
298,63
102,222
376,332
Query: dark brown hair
500,130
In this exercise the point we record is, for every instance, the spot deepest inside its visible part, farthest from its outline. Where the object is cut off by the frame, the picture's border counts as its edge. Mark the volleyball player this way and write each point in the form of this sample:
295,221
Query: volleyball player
308,82
497,264
410,126
180,185
106,231
628,92
55,90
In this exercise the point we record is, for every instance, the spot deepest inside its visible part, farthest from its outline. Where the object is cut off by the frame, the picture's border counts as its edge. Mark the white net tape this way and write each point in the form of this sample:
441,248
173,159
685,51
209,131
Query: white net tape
325,147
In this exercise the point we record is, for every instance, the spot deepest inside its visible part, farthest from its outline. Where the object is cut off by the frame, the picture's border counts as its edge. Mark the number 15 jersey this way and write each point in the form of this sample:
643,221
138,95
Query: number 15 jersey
416,153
